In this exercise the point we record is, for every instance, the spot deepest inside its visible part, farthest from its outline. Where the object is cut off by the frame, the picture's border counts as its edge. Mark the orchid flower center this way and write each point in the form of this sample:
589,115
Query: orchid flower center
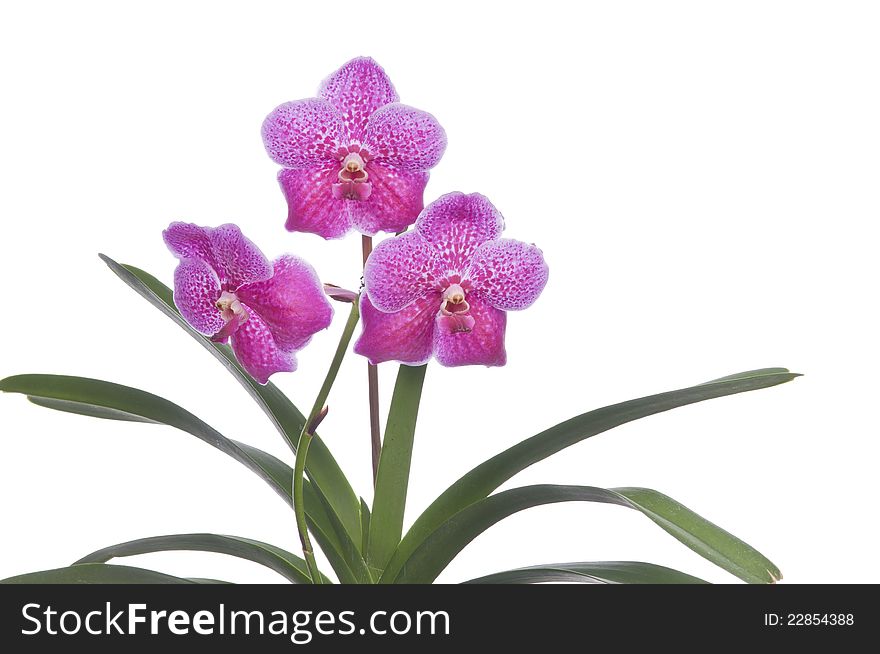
353,168
453,300
231,308
453,315
353,175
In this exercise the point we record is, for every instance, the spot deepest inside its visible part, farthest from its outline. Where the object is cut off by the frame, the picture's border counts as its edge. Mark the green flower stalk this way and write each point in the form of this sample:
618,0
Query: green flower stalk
319,410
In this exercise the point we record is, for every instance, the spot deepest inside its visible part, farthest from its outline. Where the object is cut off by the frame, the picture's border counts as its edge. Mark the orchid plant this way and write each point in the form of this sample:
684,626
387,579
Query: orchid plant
439,288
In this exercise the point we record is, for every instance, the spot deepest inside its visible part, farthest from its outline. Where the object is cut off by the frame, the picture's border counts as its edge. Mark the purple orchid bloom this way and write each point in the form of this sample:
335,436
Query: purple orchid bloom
226,289
444,288
354,156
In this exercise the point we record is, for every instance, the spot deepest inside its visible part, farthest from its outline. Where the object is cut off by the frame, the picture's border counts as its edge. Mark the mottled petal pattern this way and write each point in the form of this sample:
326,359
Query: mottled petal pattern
292,304
311,206
484,345
257,350
356,90
399,271
226,289
238,260
405,336
454,270
196,289
509,274
303,133
188,241
394,202
354,156
457,224
405,137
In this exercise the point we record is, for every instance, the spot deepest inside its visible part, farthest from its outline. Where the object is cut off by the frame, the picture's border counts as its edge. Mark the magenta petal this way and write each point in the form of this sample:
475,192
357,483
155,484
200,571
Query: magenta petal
196,289
356,90
303,133
456,224
483,345
292,304
395,201
258,352
399,271
188,241
238,260
509,274
405,336
405,137
311,206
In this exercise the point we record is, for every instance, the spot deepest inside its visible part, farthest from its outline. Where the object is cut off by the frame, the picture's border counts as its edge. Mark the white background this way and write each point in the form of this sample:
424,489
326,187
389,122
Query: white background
702,178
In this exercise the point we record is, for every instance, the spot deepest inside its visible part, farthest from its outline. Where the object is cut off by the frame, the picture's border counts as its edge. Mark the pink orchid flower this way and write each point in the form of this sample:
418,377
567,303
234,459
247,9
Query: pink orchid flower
444,288
353,157
226,289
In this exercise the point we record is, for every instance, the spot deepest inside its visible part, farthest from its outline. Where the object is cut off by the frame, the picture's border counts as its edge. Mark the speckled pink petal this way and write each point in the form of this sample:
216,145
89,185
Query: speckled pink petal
303,133
394,203
405,137
405,336
399,271
258,352
188,241
292,304
356,90
456,224
196,289
311,206
484,345
509,274
238,260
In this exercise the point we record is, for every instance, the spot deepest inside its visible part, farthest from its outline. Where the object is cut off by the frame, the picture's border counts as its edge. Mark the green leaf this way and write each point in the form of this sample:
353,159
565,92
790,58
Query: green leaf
392,479
336,554
752,374
288,565
97,573
101,399
322,468
489,475
91,410
349,551
202,580
598,572
365,521
700,535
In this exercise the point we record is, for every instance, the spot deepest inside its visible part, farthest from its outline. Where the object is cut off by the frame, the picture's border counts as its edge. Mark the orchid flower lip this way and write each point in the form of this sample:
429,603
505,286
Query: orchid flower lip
453,315
231,307
352,175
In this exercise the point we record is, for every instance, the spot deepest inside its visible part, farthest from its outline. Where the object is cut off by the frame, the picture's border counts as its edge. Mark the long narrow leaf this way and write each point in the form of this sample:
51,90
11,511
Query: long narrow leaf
322,468
288,565
350,551
101,399
365,522
488,476
97,573
392,480
598,572
700,535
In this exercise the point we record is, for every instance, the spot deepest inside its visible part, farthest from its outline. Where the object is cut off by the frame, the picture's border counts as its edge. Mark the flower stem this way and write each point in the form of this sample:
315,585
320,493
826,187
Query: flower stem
305,439
373,386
